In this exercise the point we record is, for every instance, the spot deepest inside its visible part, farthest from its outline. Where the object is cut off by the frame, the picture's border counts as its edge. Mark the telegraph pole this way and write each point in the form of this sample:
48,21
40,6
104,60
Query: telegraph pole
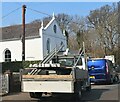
23,36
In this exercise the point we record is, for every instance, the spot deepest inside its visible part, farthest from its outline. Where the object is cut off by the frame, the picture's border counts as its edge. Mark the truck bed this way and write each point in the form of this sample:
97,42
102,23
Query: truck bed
47,77
57,86
47,83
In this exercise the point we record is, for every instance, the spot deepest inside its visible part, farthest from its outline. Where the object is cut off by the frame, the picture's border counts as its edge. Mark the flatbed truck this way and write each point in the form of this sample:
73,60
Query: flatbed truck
63,74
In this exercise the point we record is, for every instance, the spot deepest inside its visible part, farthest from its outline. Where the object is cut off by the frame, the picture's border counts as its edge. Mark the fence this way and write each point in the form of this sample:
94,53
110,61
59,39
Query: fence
5,83
15,82
10,83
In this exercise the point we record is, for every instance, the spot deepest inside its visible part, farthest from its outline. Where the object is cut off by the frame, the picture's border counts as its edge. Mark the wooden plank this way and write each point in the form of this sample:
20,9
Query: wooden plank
47,77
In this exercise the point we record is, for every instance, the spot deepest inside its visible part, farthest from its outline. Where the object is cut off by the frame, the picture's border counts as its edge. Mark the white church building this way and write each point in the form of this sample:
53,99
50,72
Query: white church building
40,39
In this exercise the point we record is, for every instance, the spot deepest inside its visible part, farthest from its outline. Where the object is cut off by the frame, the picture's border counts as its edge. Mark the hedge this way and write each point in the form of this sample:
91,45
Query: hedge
16,66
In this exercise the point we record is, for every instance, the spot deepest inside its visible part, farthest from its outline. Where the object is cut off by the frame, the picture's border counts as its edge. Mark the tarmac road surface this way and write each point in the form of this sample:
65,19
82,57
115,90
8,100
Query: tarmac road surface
98,92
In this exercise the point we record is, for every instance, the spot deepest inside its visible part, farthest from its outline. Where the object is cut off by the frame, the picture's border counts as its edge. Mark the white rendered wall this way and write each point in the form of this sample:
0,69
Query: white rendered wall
55,38
15,47
33,49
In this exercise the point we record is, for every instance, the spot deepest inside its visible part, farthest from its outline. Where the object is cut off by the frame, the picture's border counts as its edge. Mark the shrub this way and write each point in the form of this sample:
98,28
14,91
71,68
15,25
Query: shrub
16,66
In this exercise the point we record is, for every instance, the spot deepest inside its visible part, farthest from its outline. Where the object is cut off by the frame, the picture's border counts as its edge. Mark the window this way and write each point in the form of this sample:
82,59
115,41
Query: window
66,62
61,45
7,56
48,45
55,28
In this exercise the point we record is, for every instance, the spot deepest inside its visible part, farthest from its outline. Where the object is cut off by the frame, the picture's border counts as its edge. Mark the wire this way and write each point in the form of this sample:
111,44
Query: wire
39,12
10,13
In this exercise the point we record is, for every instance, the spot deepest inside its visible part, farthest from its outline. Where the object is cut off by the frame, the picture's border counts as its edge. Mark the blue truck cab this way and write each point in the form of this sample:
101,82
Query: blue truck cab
101,70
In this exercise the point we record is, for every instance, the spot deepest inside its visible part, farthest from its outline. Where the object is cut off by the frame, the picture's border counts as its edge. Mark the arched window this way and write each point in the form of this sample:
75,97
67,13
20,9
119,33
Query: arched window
61,45
7,56
55,28
48,45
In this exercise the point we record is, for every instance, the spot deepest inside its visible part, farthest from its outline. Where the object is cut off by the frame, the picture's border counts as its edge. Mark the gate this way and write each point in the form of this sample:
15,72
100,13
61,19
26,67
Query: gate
5,83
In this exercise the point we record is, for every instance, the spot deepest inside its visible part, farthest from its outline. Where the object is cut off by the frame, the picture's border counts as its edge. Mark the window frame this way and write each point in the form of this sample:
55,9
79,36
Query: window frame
7,55
48,45
55,28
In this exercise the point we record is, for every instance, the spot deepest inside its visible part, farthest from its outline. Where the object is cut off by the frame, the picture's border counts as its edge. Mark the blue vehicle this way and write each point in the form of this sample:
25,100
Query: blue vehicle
101,70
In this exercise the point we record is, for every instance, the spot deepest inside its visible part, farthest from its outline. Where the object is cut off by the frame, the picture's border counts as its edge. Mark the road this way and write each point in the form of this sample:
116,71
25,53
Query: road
98,92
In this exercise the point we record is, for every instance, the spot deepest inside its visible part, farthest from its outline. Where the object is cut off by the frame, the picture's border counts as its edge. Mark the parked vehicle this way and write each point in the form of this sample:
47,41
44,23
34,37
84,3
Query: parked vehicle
111,58
101,70
64,74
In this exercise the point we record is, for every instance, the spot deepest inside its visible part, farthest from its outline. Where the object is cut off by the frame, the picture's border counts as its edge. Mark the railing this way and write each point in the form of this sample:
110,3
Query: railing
52,54
5,83
47,59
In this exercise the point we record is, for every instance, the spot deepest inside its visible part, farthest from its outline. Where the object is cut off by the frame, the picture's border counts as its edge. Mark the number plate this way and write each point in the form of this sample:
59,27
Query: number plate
93,77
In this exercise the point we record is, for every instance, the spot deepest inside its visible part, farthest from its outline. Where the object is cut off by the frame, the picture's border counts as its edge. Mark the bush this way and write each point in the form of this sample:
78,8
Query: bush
16,66
12,66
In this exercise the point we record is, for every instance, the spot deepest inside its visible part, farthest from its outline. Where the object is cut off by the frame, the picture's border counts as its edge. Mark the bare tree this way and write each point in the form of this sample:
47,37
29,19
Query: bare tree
64,21
104,21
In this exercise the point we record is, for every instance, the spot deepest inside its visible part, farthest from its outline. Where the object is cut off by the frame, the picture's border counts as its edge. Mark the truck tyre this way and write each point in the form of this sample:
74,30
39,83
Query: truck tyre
35,94
77,90
111,80
78,95
116,79
32,94
88,88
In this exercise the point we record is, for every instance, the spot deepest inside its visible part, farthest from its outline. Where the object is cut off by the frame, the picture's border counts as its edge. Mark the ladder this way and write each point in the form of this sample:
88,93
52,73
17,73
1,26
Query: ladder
81,52
34,71
47,59
52,54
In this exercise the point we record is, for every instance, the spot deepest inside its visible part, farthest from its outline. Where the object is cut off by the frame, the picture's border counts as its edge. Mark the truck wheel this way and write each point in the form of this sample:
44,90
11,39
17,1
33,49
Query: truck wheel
116,79
35,94
111,80
78,95
31,94
88,88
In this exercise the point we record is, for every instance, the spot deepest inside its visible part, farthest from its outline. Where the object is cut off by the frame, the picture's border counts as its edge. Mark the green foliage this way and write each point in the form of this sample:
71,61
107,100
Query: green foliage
27,63
16,66
12,66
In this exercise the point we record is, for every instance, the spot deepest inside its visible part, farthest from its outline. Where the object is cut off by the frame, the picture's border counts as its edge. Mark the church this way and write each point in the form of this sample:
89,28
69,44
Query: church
40,40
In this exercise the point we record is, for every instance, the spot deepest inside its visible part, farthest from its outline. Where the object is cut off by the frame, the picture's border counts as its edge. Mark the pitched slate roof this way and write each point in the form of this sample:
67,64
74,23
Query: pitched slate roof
15,31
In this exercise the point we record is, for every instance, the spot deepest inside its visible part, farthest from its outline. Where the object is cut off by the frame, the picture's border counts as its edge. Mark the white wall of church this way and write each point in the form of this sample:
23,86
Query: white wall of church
55,38
53,43
33,50
15,48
